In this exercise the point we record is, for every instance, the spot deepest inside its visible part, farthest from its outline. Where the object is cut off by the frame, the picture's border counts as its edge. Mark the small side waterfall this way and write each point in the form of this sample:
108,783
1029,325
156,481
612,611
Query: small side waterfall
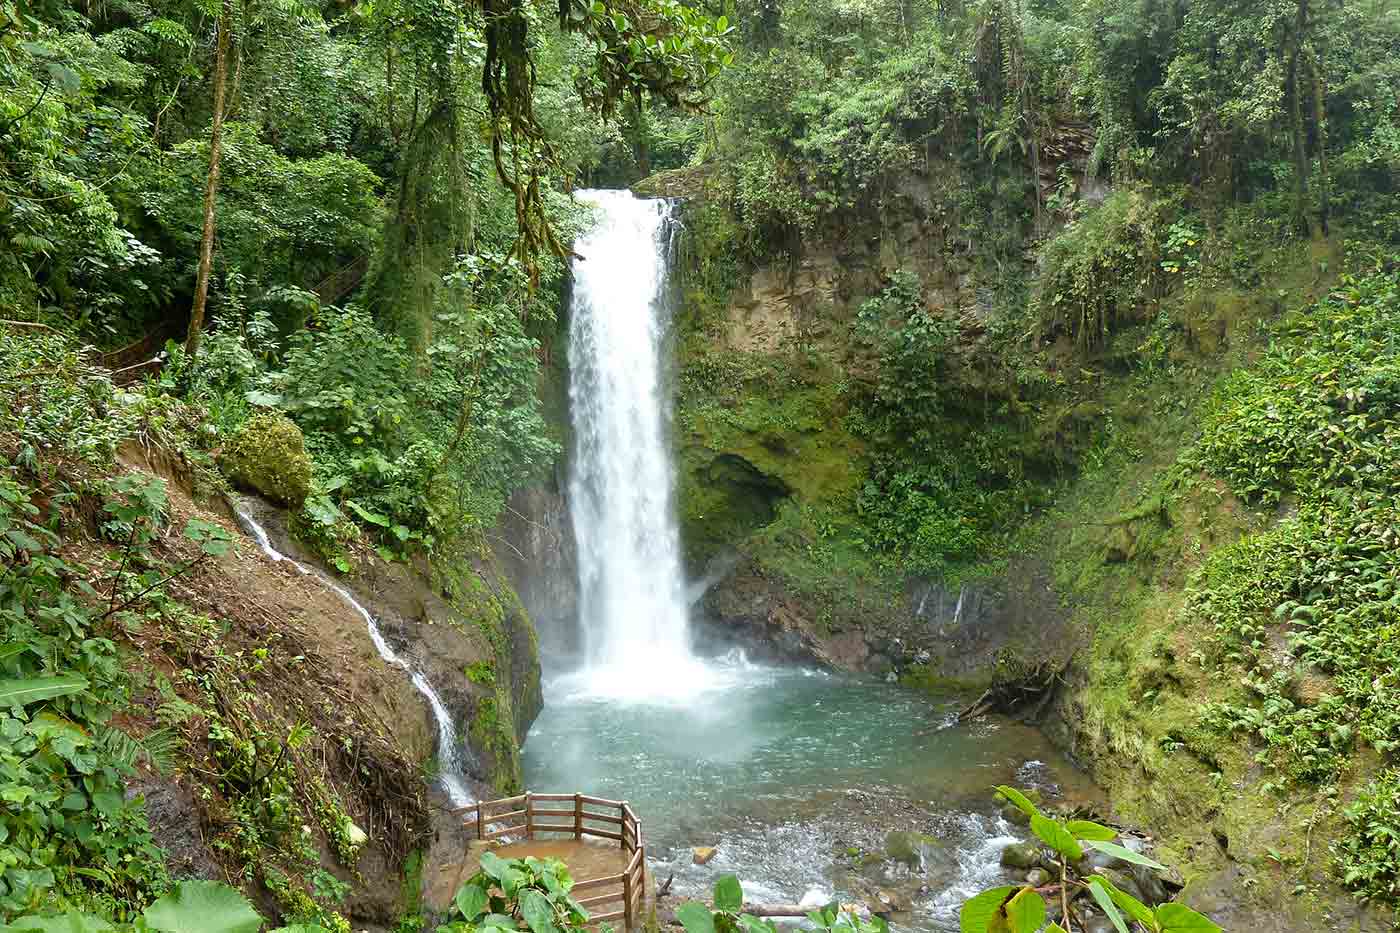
632,592
449,750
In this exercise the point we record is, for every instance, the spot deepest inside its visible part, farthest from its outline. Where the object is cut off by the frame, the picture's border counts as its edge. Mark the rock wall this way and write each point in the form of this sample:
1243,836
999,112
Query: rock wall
536,549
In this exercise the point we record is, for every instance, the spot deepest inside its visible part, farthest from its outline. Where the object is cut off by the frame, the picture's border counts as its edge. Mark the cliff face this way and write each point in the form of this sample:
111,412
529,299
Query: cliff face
1073,604
774,455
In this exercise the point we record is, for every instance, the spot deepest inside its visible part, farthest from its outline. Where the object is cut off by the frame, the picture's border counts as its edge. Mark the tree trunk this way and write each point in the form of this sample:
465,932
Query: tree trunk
1294,91
211,189
640,150
1324,205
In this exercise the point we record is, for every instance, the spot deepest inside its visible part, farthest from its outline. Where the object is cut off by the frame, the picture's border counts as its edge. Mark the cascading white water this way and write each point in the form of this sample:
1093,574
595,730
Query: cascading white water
448,748
632,592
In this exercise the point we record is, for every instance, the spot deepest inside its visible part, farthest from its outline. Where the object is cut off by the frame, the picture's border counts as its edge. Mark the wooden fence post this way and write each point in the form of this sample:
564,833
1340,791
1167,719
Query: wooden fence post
578,817
622,826
480,822
529,817
627,896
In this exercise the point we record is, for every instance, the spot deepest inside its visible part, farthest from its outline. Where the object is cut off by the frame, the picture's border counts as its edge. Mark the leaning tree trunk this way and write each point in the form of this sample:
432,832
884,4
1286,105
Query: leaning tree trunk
1294,92
1324,195
211,188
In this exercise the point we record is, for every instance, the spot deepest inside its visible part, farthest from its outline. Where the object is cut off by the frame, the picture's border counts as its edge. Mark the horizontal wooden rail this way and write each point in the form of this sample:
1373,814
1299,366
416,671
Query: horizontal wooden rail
600,899
491,820
596,883
601,801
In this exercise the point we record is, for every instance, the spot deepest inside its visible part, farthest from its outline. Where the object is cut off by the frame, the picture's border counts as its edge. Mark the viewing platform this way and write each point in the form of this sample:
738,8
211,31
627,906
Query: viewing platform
599,840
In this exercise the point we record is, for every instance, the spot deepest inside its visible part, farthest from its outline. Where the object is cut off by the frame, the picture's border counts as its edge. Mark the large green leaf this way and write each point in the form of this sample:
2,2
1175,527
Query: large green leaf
494,866
32,690
1126,854
1087,829
1178,918
1025,913
729,894
1020,800
1131,905
1054,835
977,914
1099,889
471,900
537,911
695,917
206,906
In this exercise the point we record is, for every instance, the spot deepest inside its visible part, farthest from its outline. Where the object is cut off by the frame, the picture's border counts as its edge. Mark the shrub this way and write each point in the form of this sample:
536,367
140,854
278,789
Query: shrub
507,893
1366,858
1104,268
268,455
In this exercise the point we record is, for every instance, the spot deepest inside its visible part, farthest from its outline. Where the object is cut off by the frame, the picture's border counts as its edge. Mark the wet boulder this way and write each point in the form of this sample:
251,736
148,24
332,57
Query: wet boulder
268,455
909,848
1024,855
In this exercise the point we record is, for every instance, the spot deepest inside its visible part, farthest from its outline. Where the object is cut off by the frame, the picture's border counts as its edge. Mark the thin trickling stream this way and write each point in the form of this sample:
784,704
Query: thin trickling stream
450,749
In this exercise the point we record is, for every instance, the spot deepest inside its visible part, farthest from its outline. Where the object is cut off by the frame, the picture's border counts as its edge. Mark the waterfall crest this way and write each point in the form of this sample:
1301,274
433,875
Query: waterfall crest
632,593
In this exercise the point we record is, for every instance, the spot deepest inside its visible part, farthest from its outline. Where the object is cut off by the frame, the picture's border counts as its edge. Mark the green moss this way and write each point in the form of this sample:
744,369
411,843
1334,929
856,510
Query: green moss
489,608
411,918
493,734
924,677
481,673
268,455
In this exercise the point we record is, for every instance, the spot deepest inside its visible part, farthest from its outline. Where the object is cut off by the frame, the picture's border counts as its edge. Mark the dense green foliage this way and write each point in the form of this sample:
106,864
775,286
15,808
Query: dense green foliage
1308,605
516,894
93,564
406,157
1148,162
1022,909
67,826
204,905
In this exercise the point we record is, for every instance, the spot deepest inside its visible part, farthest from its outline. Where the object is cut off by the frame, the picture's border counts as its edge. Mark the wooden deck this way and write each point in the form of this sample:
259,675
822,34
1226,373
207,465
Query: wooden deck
586,859
607,861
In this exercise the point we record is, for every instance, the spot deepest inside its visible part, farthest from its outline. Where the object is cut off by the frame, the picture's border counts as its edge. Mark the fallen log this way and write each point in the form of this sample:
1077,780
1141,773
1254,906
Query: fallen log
668,917
777,910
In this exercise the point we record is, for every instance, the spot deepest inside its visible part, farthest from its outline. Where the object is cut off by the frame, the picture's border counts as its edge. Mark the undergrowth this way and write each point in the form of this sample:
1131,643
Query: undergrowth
1309,606
109,672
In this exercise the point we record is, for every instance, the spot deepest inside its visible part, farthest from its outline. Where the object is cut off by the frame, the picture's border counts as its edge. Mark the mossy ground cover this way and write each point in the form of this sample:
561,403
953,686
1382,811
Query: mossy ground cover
1231,575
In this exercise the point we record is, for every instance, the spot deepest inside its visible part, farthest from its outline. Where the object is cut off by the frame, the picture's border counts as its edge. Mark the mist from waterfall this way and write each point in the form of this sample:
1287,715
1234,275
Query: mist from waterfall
632,591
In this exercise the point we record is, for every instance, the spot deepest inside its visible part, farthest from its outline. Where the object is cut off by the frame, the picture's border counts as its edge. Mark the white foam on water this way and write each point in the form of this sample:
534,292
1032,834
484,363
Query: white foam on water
978,864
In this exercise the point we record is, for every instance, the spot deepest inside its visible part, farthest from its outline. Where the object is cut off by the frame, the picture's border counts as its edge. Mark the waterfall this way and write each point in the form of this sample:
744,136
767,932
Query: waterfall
449,750
632,591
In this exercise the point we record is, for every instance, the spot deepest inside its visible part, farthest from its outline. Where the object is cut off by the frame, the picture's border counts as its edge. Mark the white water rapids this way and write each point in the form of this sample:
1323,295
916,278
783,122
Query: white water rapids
449,749
633,604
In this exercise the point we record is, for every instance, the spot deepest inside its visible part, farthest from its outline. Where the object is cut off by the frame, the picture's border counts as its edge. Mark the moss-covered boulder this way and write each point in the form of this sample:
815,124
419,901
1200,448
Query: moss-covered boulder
268,455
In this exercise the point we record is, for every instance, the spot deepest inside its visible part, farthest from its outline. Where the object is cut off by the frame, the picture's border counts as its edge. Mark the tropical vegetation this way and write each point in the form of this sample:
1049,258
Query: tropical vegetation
1115,265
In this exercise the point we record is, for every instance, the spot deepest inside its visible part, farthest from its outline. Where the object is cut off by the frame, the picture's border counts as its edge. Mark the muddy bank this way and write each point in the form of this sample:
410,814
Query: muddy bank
281,652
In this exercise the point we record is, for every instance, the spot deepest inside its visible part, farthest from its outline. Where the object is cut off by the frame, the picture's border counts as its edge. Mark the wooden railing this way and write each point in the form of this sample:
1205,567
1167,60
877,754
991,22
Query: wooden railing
532,816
